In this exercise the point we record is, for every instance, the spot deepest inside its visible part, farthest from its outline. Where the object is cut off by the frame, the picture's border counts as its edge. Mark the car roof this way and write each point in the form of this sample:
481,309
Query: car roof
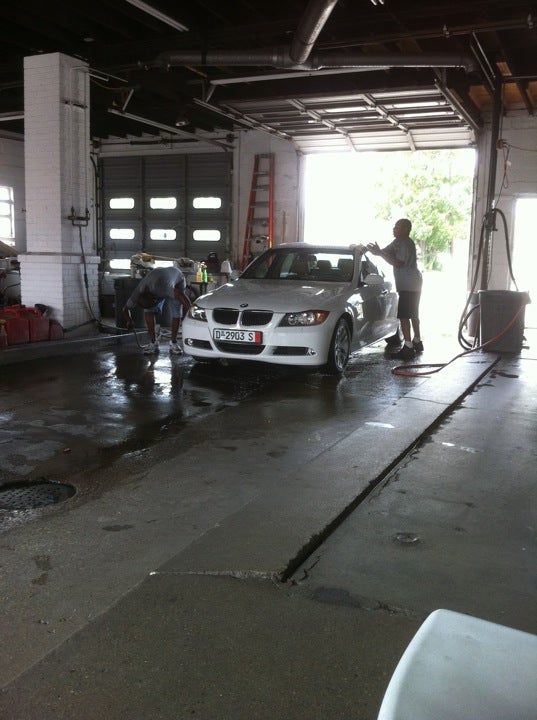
314,248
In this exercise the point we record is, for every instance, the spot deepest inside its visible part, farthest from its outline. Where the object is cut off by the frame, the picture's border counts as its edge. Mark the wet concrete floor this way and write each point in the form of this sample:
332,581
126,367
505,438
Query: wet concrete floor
65,414
173,584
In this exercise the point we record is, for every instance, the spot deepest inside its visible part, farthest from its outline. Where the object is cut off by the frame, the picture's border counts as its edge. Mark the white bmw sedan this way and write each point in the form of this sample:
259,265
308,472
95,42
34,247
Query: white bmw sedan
296,304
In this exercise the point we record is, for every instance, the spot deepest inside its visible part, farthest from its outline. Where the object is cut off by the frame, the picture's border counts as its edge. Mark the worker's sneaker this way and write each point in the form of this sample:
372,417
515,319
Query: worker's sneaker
393,340
150,349
175,349
405,353
418,346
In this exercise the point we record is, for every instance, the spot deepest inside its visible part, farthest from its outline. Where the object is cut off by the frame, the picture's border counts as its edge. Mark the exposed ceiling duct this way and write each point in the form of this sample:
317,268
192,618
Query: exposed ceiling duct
279,57
299,55
311,23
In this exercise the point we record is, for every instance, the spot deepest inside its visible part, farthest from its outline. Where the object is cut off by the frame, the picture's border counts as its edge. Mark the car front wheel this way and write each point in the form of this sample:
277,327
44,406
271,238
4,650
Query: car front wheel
340,348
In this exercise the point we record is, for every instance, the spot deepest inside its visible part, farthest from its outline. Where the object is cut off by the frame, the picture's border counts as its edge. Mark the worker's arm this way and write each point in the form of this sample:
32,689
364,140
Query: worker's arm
387,256
128,318
183,299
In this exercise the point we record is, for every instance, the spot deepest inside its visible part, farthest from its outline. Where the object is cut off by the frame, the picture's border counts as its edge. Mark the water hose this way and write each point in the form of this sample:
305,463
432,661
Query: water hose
134,330
419,370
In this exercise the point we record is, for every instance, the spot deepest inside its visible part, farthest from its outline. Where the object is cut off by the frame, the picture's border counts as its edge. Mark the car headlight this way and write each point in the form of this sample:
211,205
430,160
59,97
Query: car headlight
197,313
304,319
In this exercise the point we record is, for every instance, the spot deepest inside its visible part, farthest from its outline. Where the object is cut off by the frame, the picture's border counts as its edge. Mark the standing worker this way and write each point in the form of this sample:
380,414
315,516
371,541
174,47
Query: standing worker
166,284
401,254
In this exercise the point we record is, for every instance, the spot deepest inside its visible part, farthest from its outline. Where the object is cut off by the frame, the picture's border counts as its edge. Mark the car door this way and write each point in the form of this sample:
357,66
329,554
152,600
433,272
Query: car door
379,303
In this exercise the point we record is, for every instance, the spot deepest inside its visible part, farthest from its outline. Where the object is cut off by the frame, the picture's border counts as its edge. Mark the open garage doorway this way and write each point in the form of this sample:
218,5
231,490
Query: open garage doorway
356,198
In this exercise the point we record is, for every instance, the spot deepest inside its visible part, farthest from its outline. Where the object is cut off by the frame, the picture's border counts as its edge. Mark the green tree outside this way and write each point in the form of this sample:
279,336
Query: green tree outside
429,189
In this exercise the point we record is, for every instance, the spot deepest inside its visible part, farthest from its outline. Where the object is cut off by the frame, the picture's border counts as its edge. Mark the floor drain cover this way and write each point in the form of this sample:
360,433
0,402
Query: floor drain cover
26,496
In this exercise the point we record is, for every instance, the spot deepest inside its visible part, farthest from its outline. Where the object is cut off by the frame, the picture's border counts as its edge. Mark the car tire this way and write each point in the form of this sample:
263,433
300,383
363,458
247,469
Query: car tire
340,348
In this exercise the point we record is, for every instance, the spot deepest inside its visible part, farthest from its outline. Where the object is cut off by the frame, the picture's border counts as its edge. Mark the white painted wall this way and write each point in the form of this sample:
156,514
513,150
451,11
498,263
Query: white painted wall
286,187
516,177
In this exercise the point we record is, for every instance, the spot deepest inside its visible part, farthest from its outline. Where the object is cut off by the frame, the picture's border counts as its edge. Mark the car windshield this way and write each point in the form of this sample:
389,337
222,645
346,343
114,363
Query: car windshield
324,265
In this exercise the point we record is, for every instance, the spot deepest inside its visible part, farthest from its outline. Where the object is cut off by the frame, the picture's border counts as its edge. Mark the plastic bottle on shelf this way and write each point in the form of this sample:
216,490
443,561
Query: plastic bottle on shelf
199,275
203,272
226,267
3,335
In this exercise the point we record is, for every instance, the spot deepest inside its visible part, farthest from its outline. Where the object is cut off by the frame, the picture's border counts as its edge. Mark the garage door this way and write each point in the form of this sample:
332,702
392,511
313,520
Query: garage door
176,206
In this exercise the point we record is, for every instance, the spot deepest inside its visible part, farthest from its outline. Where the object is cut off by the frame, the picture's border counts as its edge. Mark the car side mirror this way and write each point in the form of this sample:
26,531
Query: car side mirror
373,279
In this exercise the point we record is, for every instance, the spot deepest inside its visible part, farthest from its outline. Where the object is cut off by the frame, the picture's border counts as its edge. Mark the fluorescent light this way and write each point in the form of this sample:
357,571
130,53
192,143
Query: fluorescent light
150,10
146,121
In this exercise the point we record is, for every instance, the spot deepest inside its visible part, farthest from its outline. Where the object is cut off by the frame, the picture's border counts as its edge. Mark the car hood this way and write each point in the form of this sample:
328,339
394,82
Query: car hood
276,295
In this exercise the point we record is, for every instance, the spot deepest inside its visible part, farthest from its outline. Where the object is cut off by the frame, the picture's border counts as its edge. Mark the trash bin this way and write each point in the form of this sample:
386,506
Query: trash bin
497,310
123,288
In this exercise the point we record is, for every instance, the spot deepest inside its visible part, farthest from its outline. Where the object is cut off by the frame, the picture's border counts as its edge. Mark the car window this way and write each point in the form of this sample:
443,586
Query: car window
298,264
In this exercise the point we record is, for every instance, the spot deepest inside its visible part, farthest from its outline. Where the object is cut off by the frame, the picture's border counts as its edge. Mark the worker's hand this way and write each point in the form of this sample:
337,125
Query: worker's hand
373,248
128,319
183,299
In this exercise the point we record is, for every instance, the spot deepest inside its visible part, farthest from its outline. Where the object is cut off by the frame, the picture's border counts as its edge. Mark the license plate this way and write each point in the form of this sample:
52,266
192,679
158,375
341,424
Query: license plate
239,336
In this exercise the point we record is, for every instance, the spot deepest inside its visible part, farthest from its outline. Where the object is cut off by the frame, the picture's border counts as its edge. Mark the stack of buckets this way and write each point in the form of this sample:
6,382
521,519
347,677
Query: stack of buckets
27,324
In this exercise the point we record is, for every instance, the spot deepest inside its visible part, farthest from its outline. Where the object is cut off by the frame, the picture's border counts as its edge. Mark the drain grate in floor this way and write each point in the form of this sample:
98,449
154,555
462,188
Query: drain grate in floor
39,493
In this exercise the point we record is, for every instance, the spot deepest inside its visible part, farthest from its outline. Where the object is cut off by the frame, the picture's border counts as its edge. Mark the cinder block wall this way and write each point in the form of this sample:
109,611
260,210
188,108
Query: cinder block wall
59,252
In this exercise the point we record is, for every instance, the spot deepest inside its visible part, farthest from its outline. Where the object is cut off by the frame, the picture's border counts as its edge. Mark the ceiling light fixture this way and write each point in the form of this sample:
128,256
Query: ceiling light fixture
146,121
150,10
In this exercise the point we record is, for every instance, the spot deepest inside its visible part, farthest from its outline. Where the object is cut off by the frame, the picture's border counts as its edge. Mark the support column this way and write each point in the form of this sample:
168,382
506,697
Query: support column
60,267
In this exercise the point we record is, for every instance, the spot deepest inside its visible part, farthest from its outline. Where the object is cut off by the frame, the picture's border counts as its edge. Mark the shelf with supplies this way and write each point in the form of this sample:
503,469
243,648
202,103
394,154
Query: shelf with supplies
214,280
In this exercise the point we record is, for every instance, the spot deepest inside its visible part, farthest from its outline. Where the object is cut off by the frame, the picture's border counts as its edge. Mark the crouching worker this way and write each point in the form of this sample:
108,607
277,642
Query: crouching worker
160,285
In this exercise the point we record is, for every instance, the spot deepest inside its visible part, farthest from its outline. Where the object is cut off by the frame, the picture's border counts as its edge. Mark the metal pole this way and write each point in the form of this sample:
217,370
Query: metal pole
489,215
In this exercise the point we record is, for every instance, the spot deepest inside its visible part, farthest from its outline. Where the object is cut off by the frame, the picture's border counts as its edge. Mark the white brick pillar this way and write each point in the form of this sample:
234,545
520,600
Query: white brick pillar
61,252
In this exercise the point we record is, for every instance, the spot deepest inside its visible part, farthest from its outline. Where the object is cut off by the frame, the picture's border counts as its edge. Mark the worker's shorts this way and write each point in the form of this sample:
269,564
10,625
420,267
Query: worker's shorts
409,305
176,308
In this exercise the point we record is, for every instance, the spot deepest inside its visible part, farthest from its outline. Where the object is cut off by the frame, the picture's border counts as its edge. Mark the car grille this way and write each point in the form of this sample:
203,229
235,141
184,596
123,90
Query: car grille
246,318
255,317
225,316
240,348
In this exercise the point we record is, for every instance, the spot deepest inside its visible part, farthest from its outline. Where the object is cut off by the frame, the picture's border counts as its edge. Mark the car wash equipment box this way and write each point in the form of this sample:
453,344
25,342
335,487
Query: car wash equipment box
501,309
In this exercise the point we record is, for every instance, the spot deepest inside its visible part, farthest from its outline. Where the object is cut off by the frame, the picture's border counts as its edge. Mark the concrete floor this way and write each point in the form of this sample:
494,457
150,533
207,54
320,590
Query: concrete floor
254,542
